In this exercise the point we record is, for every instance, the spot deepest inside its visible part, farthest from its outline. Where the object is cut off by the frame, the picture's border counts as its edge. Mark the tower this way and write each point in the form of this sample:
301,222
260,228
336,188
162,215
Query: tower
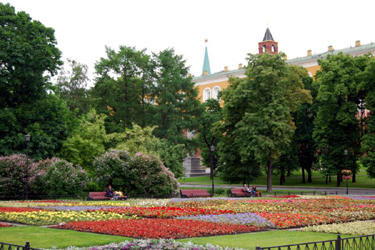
206,64
268,44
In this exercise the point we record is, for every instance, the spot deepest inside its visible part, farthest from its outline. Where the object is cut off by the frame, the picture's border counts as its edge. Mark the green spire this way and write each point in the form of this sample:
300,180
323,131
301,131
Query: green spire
206,63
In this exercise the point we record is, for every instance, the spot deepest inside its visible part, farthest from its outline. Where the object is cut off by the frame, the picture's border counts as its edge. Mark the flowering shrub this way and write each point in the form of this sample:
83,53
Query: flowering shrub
158,228
164,212
13,170
140,174
59,177
4,225
352,228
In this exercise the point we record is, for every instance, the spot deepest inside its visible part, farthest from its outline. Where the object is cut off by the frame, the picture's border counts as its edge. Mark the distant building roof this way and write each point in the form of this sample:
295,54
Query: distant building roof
268,36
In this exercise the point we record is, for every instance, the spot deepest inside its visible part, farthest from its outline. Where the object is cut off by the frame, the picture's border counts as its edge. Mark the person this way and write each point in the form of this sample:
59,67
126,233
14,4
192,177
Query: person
109,192
254,191
246,189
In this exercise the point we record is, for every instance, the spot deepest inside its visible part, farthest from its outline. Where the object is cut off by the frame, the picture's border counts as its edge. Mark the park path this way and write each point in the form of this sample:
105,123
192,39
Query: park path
305,190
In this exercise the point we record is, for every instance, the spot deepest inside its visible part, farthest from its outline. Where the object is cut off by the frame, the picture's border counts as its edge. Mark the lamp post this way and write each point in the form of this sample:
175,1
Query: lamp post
346,167
27,139
212,150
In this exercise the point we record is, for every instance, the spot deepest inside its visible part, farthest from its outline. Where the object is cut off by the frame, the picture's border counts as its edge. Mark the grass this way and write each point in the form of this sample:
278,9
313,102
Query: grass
318,180
263,239
41,237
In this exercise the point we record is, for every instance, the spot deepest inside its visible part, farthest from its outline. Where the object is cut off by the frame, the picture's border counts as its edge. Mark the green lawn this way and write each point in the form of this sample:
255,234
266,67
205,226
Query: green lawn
263,239
294,180
41,237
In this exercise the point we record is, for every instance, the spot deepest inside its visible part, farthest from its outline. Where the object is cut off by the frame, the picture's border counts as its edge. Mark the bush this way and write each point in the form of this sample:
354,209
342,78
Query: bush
59,177
13,171
138,174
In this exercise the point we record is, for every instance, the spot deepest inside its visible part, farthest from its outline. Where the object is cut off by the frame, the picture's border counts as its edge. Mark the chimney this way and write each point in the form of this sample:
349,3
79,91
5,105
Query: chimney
205,72
309,53
357,43
240,66
226,68
330,48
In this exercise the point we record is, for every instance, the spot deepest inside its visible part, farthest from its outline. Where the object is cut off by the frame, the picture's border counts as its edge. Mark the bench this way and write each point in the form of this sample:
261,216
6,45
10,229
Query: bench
101,196
238,192
194,193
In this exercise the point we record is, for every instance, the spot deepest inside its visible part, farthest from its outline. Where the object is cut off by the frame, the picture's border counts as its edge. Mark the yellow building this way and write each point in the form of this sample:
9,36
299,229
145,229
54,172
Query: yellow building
209,84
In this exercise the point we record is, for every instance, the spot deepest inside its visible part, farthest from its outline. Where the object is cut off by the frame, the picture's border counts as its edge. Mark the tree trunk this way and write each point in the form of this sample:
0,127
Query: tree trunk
309,175
329,176
282,179
326,178
303,175
338,179
269,175
354,177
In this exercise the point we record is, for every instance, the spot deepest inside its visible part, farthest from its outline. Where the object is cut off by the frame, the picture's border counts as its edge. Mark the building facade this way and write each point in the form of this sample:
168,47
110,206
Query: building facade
209,84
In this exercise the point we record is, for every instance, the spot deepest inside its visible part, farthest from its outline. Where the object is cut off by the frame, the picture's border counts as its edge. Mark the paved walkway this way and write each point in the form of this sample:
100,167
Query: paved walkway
305,190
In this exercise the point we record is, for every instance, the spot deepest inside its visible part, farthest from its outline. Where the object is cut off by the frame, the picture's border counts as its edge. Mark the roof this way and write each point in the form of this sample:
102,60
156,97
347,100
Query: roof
268,36
206,63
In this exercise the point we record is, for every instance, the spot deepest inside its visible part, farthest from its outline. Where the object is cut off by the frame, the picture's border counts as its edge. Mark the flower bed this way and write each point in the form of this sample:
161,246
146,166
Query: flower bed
164,212
4,225
159,228
352,228
55,217
17,209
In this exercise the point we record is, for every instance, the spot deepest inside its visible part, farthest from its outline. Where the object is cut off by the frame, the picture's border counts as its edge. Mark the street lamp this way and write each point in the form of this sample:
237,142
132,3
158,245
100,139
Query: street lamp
27,139
212,150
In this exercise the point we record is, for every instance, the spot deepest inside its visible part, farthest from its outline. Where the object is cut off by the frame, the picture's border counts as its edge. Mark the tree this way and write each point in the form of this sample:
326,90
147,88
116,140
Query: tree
177,105
336,126
71,84
86,142
123,87
367,87
28,54
257,115
210,115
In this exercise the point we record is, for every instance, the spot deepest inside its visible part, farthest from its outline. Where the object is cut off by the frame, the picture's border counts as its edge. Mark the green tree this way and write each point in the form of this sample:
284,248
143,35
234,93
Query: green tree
72,86
210,115
87,141
28,54
336,126
177,105
367,87
123,87
257,115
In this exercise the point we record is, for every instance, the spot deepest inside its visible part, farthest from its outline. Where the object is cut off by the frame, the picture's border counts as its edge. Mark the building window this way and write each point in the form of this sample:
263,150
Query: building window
273,48
264,48
206,94
215,92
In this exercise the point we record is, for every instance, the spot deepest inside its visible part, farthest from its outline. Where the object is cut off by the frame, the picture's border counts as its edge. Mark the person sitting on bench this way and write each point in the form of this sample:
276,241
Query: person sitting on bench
246,189
109,192
254,191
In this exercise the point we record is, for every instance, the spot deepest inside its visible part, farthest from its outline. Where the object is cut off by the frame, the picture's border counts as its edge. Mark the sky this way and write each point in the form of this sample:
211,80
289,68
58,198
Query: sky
233,28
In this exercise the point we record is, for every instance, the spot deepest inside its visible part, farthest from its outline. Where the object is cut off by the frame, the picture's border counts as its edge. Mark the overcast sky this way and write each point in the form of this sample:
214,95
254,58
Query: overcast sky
233,28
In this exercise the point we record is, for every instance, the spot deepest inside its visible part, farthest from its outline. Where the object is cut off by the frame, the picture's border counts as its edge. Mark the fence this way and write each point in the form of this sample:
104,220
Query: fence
324,192
364,242
7,246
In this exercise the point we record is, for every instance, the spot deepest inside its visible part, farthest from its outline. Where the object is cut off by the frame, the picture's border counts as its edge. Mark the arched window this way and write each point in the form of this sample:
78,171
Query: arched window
206,94
215,92
273,48
264,48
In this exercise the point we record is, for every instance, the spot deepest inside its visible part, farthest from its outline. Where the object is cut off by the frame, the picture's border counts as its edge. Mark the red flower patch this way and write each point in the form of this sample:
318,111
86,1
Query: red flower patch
285,220
165,212
4,225
17,209
159,228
